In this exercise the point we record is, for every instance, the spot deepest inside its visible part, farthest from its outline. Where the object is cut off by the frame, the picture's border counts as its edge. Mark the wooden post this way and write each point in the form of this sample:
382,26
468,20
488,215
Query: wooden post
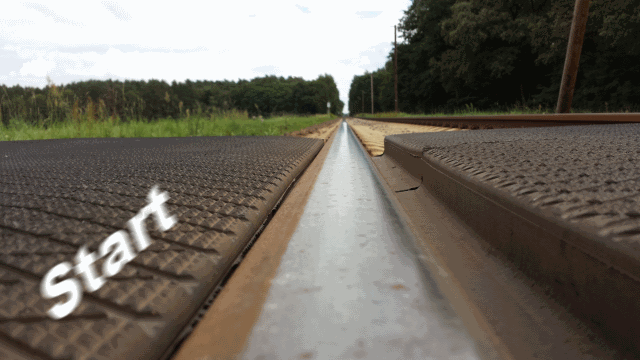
572,58
371,93
395,65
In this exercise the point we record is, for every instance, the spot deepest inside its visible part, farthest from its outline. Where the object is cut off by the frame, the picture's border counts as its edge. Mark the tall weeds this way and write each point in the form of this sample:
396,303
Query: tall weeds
228,123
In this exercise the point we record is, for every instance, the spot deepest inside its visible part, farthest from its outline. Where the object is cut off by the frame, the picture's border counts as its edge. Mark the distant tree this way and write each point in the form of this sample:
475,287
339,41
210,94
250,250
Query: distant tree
154,99
505,52
157,101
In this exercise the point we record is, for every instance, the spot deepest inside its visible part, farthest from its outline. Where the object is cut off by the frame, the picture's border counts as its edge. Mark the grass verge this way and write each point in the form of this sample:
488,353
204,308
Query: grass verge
193,126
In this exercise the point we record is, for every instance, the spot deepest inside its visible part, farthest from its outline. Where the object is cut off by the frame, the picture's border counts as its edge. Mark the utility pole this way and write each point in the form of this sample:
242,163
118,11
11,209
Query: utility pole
371,93
362,97
395,64
572,58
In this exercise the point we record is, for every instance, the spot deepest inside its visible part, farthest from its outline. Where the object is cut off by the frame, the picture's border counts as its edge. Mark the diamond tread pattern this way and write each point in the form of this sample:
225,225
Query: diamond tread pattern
58,195
584,177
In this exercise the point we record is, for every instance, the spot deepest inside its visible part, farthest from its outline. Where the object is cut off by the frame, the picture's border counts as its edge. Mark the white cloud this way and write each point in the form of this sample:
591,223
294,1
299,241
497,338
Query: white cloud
267,70
213,40
38,67
47,12
117,10
368,14
304,9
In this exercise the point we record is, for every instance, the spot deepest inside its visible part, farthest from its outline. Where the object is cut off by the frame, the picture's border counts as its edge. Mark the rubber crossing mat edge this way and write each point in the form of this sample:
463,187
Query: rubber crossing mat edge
59,195
559,203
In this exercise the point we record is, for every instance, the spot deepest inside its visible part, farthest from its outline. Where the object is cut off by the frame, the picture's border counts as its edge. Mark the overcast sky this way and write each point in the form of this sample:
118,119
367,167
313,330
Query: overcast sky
197,40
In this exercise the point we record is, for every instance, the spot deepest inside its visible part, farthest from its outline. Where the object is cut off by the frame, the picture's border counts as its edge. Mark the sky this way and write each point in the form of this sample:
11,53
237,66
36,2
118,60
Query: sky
199,40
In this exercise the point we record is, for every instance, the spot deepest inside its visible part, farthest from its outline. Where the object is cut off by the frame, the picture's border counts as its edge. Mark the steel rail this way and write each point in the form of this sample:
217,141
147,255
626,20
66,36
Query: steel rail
514,121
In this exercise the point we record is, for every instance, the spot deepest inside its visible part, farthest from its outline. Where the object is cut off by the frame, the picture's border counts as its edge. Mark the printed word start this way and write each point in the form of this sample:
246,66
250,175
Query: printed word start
119,251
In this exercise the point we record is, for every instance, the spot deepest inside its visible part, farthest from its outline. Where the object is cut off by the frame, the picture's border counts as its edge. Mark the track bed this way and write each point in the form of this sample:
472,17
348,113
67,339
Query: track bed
559,204
57,196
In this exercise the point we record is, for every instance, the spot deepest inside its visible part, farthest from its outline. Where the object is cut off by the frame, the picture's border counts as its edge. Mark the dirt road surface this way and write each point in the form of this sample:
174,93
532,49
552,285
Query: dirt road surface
371,133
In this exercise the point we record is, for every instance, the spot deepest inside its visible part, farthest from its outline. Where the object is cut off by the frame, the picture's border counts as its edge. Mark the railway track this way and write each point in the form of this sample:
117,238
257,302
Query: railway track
557,205
526,239
515,121
493,275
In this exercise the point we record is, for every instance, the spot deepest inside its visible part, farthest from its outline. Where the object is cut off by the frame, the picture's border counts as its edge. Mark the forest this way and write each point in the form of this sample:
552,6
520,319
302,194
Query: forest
142,100
501,54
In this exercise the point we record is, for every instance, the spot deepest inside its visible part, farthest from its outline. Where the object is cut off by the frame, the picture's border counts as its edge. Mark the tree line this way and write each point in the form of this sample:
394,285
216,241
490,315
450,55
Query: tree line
154,99
494,54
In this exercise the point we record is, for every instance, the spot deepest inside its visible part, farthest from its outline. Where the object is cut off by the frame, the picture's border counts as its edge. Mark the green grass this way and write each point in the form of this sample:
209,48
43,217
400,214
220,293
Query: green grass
230,125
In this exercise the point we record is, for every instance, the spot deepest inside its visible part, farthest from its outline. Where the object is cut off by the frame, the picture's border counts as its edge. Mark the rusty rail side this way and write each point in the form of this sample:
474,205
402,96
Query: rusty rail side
515,121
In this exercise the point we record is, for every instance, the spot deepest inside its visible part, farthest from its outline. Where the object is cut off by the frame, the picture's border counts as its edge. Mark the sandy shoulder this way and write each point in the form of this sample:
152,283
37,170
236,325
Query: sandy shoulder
371,133
324,132
321,131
